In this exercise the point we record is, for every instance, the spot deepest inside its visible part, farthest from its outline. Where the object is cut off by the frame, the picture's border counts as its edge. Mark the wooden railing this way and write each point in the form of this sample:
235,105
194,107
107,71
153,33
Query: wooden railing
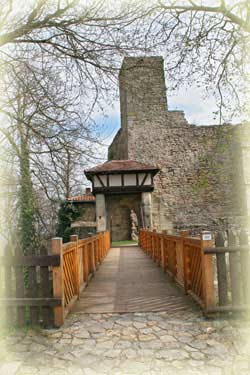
221,284
26,288
43,288
232,271
79,260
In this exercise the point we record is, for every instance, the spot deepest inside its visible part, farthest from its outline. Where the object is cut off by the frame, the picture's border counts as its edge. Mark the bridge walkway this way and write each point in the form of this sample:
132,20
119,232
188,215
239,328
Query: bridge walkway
129,281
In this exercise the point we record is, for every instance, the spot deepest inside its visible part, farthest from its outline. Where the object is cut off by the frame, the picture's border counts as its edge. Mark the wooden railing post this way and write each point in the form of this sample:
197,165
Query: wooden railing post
207,271
102,238
159,250
58,282
97,250
179,261
221,271
147,242
85,263
78,264
92,256
163,249
186,266
162,263
109,240
234,271
102,246
245,266
153,245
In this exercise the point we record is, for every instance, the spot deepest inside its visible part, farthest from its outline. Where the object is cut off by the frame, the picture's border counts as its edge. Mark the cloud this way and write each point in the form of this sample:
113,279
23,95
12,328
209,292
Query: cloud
198,110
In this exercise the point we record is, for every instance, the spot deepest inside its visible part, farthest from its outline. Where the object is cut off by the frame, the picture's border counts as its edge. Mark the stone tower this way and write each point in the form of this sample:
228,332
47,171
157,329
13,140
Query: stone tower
142,90
196,183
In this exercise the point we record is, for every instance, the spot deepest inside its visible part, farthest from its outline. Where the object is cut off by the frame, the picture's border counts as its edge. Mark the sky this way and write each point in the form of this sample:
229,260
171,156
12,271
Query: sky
198,111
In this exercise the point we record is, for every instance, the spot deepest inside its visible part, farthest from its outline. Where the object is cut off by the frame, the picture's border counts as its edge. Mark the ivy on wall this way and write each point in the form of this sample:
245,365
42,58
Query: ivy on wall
67,213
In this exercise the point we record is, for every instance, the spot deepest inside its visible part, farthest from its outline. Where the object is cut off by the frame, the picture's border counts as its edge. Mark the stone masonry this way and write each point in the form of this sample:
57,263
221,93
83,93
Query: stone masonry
200,183
129,344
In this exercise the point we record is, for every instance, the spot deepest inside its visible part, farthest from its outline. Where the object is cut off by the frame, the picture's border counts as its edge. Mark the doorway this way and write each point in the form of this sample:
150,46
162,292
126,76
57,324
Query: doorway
118,214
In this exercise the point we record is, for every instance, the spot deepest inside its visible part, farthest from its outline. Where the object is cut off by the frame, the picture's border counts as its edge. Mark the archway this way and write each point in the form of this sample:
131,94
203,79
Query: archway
118,209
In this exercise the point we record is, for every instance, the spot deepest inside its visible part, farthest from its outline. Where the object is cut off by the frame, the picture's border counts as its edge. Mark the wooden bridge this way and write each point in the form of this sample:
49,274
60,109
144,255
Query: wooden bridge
128,281
165,273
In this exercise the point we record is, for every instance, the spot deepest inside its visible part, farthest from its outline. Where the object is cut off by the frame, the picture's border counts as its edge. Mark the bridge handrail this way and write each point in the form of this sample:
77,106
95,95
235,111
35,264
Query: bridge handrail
79,259
216,276
184,260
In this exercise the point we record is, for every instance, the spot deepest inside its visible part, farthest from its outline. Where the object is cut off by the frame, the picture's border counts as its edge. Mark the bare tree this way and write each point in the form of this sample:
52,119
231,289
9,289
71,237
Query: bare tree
207,43
57,60
45,133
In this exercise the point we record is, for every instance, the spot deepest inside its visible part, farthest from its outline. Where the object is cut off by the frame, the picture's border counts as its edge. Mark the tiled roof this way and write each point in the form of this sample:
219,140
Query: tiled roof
120,166
82,198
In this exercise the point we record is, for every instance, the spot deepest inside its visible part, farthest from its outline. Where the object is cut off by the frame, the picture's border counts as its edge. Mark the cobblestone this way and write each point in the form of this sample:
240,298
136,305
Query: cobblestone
124,344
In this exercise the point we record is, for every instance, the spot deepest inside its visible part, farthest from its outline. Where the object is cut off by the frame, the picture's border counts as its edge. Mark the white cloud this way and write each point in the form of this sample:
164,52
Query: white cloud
198,110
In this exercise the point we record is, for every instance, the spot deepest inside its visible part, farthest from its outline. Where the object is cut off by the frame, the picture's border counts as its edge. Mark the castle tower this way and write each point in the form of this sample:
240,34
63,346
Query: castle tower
142,90
187,190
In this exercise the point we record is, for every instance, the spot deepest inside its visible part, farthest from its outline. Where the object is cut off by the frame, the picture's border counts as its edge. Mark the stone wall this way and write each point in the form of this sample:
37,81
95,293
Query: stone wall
198,185
119,148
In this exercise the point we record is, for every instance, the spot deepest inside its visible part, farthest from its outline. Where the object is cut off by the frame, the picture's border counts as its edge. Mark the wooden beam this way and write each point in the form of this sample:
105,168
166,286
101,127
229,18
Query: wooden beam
19,276
100,180
235,273
221,250
30,302
208,294
123,189
58,282
137,179
30,260
77,265
221,271
144,179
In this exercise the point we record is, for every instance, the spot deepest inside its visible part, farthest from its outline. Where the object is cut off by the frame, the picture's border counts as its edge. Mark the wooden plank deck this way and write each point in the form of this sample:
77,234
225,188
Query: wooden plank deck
129,281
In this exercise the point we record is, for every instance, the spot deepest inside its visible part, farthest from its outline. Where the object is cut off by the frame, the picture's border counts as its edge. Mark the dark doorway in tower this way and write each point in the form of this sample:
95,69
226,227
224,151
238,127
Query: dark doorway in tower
119,207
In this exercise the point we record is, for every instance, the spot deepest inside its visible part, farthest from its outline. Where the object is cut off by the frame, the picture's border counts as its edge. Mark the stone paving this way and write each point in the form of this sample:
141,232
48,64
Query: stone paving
131,344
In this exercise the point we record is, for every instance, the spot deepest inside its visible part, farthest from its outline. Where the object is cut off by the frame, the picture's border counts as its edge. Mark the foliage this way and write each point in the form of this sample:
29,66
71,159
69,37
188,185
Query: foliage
67,213
28,214
59,61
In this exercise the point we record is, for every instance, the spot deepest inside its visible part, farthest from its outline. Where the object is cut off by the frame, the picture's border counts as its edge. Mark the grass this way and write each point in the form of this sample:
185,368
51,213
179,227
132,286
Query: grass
122,243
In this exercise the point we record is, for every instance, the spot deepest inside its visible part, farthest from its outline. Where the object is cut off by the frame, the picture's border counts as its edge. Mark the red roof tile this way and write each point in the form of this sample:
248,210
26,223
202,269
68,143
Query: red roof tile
121,166
82,198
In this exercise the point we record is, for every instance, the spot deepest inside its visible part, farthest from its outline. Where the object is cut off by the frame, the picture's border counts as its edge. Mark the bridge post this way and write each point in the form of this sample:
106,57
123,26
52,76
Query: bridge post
207,270
78,264
92,257
58,286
